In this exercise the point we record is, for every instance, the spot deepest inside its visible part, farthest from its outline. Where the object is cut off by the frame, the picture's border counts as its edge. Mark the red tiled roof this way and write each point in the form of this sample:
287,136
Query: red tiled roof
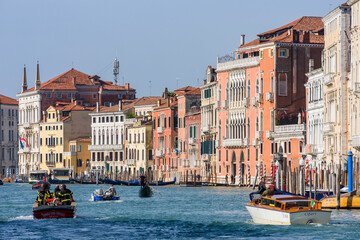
165,103
146,101
8,101
81,139
71,78
196,91
311,24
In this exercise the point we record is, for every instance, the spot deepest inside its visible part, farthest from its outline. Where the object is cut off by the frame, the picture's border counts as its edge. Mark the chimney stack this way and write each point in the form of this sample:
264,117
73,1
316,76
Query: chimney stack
158,102
24,85
37,81
242,39
97,107
311,65
127,85
120,105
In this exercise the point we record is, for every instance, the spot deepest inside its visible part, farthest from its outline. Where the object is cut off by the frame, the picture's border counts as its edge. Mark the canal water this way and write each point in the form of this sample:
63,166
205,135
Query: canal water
180,213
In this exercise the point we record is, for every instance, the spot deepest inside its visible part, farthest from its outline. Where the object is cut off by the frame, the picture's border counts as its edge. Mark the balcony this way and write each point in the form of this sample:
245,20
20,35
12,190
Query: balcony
289,131
191,141
25,150
255,142
69,154
217,143
225,104
315,149
130,162
259,134
328,127
246,142
232,143
205,157
217,104
168,152
355,142
246,102
159,153
205,129
269,97
186,163
106,147
269,135
159,130
356,88
237,63
259,97
329,79
50,163
26,125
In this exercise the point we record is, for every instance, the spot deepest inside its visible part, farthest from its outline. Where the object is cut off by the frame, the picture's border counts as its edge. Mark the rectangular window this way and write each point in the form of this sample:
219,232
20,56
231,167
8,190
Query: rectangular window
79,148
94,120
48,95
58,95
69,95
289,147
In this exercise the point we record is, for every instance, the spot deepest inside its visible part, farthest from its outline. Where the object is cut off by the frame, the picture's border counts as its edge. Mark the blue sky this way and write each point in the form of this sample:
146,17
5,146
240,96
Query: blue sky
157,41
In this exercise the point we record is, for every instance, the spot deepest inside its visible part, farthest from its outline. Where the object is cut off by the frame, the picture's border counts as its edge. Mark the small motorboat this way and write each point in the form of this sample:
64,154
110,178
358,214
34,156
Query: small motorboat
286,209
349,200
145,191
54,210
99,195
37,185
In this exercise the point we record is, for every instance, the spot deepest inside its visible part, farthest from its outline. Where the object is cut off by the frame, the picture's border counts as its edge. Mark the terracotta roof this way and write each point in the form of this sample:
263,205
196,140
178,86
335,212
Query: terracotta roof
182,91
165,103
305,24
81,139
71,107
146,101
71,78
196,91
8,101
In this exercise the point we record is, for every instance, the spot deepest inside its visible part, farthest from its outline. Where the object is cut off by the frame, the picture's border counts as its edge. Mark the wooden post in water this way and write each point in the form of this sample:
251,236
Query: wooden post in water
186,177
194,177
293,182
287,184
338,186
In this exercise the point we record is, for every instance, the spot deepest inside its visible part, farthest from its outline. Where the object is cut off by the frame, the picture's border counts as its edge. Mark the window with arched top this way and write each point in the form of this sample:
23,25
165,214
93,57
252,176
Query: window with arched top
257,86
261,121
248,88
257,124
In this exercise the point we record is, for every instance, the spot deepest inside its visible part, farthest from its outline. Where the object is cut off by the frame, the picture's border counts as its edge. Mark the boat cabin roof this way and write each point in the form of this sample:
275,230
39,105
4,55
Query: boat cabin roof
287,198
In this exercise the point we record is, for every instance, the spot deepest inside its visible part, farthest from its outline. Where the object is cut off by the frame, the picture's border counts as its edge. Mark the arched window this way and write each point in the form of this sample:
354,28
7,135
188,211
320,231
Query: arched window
257,124
257,86
248,88
248,128
261,121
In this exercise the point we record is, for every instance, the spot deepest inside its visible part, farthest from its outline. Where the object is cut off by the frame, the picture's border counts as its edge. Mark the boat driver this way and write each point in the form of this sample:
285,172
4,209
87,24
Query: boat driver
111,191
66,196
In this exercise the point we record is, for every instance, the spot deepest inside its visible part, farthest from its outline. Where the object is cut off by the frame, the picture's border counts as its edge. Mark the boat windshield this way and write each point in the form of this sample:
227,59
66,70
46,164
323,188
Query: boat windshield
271,203
297,204
60,173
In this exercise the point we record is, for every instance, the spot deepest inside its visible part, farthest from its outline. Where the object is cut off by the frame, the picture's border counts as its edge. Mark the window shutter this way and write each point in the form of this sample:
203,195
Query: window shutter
278,52
261,54
287,53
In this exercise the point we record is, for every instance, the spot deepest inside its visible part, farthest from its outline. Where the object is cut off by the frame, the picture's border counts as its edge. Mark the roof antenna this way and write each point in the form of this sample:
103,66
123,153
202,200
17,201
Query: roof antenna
72,64
116,71
177,83
150,87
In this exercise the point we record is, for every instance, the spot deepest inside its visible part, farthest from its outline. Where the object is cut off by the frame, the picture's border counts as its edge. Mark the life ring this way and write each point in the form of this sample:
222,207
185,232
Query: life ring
56,201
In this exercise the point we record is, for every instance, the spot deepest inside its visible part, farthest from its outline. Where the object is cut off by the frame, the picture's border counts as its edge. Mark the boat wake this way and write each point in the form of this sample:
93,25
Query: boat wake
30,217
116,201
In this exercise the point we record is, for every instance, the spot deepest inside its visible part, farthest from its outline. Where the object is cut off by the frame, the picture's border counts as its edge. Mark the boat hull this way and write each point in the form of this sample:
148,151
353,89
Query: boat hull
57,212
262,215
145,192
95,198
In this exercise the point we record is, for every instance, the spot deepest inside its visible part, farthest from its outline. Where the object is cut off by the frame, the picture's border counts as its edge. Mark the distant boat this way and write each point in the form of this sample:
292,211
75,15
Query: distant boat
84,182
54,211
145,191
98,196
161,183
349,200
286,209
37,185
1,182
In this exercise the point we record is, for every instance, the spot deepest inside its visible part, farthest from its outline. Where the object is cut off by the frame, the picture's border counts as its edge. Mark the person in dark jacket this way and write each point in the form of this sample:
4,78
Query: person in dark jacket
66,196
43,194
56,192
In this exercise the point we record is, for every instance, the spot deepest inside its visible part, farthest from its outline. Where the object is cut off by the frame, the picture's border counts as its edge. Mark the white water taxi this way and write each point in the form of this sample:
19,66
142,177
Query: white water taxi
287,209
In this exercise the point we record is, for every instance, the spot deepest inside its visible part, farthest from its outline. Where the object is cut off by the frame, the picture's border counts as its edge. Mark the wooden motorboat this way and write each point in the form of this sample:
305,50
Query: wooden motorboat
52,210
287,209
145,191
349,200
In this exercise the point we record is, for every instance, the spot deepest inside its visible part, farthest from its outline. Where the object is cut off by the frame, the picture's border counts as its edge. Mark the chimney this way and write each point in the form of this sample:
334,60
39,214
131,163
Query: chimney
24,84
158,102
295,36
58,115
242,39
37,81
97,107
311,65
306,37
120,105
111,104
74,80
44,116
171,100
127,85
168,102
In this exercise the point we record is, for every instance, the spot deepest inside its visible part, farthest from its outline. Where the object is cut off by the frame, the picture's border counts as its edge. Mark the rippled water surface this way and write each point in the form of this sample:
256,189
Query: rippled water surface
180,213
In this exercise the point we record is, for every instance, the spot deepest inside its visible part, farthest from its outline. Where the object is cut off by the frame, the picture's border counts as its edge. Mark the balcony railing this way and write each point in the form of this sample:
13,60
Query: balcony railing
69,154
328,127
232,143
259,134
238,63
205,157
356,88
160,130
26,125
290,128
191,141
269,134
50,163
205,129
315,149
329,79
355,142
269,97
259,97
106,147
159,153
130,162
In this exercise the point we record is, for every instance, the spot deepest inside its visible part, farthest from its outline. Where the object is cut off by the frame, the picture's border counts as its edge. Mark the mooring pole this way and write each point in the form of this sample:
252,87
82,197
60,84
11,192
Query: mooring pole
350,171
